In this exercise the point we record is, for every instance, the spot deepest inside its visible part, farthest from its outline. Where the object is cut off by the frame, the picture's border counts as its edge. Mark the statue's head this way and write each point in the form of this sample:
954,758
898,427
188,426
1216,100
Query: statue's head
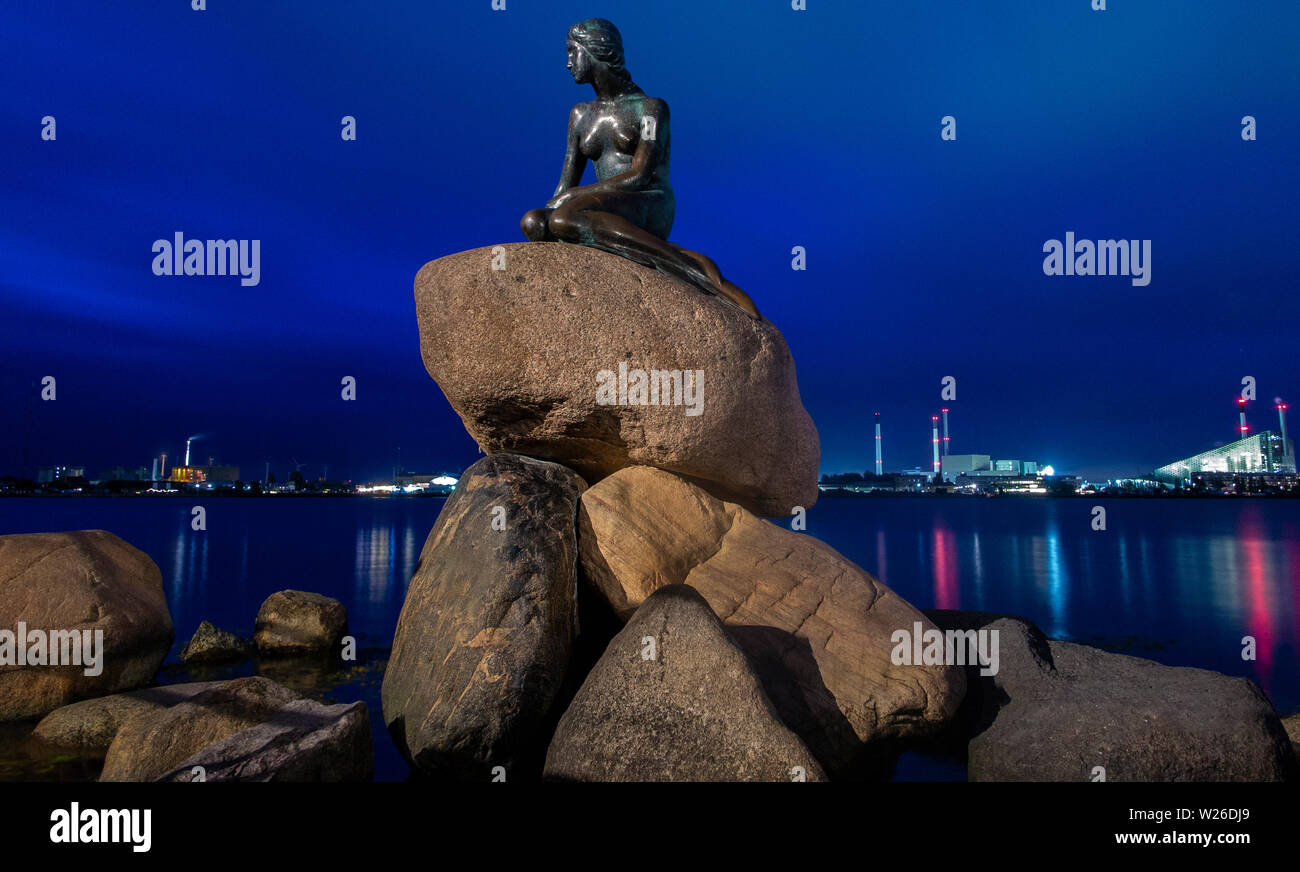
595,42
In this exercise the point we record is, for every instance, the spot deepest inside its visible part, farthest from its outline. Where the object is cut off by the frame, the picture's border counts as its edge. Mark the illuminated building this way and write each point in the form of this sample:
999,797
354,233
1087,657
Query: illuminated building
203,474
1265,452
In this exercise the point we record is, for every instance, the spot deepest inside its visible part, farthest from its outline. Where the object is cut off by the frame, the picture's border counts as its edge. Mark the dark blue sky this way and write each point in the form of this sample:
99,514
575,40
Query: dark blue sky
816,128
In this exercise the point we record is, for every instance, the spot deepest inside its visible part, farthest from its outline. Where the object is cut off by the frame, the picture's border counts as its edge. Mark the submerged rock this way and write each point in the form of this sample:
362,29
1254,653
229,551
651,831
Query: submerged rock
295,622
674,699
816,627
67,587
521,351
213,645
90,726
489,622
304,741
309,740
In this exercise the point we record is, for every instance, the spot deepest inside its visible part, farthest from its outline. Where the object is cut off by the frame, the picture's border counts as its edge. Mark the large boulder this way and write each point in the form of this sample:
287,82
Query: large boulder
89,727
1055,711
151,745
816,627
489,622
295,622
58,584
520,351
674,699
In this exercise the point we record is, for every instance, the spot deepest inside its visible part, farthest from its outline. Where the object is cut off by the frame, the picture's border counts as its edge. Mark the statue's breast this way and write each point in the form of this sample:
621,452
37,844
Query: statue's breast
609,131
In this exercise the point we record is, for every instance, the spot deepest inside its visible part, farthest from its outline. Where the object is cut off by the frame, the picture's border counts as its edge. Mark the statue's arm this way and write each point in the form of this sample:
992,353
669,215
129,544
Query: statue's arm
575,162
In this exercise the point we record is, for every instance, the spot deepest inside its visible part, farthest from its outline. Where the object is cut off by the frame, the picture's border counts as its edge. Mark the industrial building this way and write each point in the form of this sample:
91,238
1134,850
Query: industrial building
1267,453
981,472
49,474
984,465
199,475
203,474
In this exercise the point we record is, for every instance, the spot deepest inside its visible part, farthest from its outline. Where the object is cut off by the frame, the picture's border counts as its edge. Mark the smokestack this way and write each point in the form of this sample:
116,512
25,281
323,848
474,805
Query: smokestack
1241,404
163,471
187,451
945,432
155,470
934,439
880,469
1281,420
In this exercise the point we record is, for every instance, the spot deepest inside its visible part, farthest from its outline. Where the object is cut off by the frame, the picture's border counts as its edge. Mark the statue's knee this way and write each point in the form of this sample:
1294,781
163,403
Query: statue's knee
561,223
534,225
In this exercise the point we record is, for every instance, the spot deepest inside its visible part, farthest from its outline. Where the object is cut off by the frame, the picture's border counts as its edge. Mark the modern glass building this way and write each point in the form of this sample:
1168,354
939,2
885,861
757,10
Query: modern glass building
1266,451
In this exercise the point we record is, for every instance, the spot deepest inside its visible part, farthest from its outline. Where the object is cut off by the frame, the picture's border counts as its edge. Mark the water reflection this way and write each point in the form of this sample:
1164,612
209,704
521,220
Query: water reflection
410,554
946,588
189,576
1058,582
374,563
1125,580
1256,564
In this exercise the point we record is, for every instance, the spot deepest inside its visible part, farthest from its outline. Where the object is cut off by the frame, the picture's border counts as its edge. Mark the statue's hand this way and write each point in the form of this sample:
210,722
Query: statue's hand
560,199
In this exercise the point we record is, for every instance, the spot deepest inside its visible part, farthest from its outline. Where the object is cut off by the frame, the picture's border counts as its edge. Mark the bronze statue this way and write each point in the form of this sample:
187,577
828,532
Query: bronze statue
629,209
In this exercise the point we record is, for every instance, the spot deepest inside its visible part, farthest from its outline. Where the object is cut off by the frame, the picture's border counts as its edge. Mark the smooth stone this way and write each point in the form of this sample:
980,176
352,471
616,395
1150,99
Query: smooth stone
517,352
152,744
303,741
86,580
1055,711
694,711
90,726
295,622
816,627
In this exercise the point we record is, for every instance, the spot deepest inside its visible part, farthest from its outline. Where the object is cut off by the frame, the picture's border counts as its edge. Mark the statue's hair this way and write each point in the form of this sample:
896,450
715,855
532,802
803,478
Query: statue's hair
602,39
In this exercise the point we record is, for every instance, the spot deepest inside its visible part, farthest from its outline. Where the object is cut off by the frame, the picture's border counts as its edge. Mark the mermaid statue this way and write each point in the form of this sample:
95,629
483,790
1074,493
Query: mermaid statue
629,209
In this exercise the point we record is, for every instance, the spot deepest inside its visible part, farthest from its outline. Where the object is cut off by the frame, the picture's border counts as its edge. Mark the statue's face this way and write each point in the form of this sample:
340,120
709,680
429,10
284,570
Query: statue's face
580,63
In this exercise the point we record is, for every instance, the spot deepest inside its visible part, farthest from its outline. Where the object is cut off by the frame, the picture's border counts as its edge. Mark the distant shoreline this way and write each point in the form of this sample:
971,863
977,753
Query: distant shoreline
221,494
841,493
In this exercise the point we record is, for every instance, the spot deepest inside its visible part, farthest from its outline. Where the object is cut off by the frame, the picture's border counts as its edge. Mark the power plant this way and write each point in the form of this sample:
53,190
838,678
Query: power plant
194,475
1266,456
975,473
880,468
934,439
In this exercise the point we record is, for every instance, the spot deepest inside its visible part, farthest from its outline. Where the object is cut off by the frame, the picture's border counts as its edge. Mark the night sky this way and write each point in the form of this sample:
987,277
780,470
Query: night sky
817,128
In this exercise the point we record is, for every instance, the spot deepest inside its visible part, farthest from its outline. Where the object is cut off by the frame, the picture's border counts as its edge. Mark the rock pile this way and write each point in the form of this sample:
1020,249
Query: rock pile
638,431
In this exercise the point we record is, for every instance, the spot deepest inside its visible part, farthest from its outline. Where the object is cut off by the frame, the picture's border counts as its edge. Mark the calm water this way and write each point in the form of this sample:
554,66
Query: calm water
1178,581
